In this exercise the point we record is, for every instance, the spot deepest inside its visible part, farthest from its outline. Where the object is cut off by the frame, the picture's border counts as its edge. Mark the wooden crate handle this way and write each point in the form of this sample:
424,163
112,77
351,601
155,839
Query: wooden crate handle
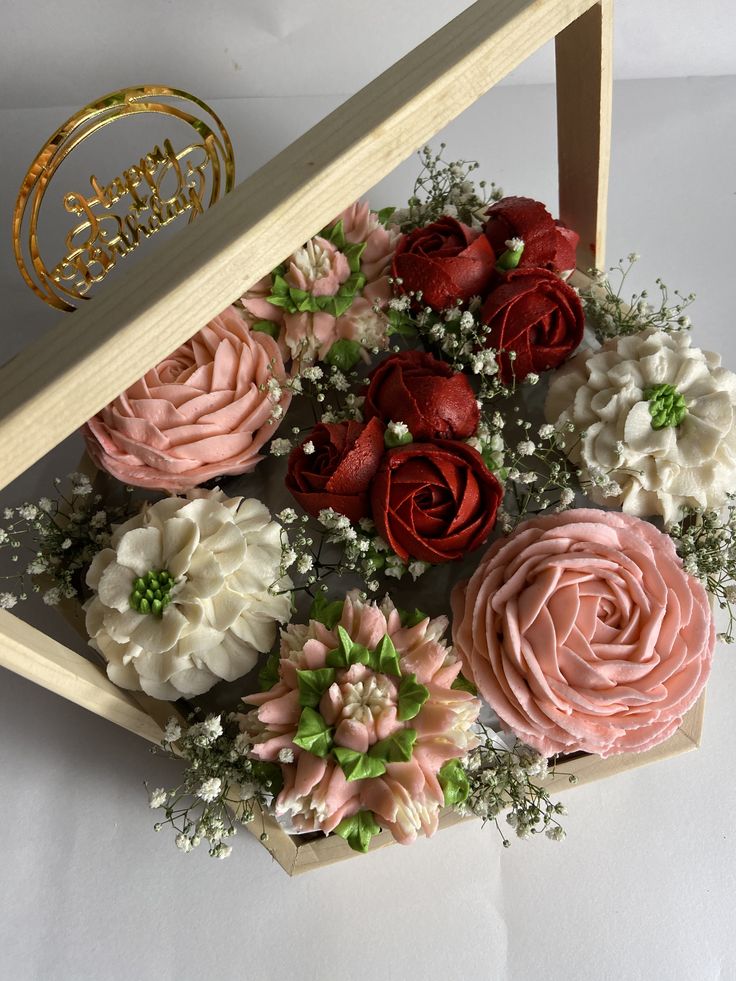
584,59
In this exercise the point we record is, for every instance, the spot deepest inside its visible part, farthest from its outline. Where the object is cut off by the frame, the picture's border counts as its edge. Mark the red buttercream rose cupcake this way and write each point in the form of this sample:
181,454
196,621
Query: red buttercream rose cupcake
446,261
337,471
434,401
434,501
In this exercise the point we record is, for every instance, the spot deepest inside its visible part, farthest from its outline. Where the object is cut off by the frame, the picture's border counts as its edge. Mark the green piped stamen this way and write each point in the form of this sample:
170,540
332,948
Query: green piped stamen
666,405
152,592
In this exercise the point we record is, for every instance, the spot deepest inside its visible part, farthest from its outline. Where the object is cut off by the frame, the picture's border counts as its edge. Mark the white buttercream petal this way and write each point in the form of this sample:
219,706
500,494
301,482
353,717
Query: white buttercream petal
98,565
196,641
259,633
230,660
641,438
204,577
180,538
124,676
227,545
252,516
224,608
140,550
121,624
115,586
158,634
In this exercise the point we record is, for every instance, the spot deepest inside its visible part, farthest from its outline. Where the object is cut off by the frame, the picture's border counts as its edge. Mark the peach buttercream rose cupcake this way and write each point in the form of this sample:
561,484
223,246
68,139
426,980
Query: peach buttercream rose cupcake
583,632
203,412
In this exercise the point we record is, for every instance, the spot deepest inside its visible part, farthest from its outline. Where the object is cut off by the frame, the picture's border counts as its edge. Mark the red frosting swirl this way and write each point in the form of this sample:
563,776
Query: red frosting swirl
434,501
338,472
547,243
446,261
434,401
537,316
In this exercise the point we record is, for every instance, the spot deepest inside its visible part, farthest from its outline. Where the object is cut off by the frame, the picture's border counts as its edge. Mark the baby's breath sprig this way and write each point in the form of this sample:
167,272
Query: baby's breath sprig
332,546
706,542
446,188
611,315
59,536
505,774
221,787
532,465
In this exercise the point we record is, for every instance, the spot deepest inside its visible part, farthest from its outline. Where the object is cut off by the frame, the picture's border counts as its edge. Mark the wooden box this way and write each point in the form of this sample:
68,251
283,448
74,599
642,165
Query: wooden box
52,387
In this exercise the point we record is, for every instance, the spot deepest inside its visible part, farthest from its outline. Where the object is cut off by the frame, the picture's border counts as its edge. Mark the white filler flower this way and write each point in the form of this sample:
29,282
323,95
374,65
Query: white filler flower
182,597
654,423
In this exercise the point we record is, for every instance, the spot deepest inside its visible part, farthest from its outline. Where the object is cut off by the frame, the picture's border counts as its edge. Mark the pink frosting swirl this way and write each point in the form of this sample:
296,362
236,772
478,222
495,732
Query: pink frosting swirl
583,632
204,411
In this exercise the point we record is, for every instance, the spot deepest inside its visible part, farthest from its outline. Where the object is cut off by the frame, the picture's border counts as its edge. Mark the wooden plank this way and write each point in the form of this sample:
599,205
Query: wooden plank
36,657
53,386
584,58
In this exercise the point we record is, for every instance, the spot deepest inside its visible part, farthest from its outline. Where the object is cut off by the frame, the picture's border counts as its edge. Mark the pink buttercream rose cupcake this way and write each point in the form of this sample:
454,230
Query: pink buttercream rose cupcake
583,632
364,738
203,412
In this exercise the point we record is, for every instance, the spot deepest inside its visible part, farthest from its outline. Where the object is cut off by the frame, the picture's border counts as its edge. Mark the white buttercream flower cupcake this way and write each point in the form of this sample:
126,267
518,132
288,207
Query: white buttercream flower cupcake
653,423
182,597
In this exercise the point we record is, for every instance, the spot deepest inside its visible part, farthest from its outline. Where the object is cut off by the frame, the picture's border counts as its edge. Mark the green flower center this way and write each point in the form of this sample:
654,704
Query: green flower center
666,405
152,592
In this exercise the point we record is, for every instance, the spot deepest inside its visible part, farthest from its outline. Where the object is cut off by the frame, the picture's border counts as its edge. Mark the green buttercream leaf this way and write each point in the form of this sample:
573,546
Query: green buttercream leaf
266,327
268,676
349,653
412,696
454,782
324,612
387,659
358,830
335,234
344,354
358,766
336,659
280,301
509,259
353,254
396,748
313,733
411,619
268,776
313,685
462,684
400,323
280,287
336,306
385,214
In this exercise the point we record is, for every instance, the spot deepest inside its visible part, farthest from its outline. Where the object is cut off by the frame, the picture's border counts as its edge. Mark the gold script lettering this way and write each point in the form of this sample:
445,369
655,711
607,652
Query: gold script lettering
157,190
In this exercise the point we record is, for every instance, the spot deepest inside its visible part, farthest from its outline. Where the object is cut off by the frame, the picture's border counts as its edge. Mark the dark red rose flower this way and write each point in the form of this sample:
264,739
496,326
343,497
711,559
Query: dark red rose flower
338,473
434,401
434,501
535,314
547,243
446,260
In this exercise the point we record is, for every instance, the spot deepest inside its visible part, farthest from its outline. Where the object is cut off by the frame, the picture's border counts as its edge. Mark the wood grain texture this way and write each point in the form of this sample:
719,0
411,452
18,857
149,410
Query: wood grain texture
584,63
36,657
52,387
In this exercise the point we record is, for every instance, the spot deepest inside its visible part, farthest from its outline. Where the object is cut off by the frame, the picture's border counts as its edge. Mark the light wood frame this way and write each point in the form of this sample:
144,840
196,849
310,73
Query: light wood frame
135,323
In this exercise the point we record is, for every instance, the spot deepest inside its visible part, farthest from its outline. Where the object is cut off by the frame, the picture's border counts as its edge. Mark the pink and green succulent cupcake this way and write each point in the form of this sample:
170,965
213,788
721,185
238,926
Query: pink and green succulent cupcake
366,721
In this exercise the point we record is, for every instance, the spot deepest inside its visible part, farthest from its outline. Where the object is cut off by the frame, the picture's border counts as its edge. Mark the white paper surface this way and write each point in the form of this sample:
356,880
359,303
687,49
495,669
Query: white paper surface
642,889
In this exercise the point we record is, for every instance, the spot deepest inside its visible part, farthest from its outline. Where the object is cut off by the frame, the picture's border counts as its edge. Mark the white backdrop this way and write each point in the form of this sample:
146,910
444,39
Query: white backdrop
236,48
643,888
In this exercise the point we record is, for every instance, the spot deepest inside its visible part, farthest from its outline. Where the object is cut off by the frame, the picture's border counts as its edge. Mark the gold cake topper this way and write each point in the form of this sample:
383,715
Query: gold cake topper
117,214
